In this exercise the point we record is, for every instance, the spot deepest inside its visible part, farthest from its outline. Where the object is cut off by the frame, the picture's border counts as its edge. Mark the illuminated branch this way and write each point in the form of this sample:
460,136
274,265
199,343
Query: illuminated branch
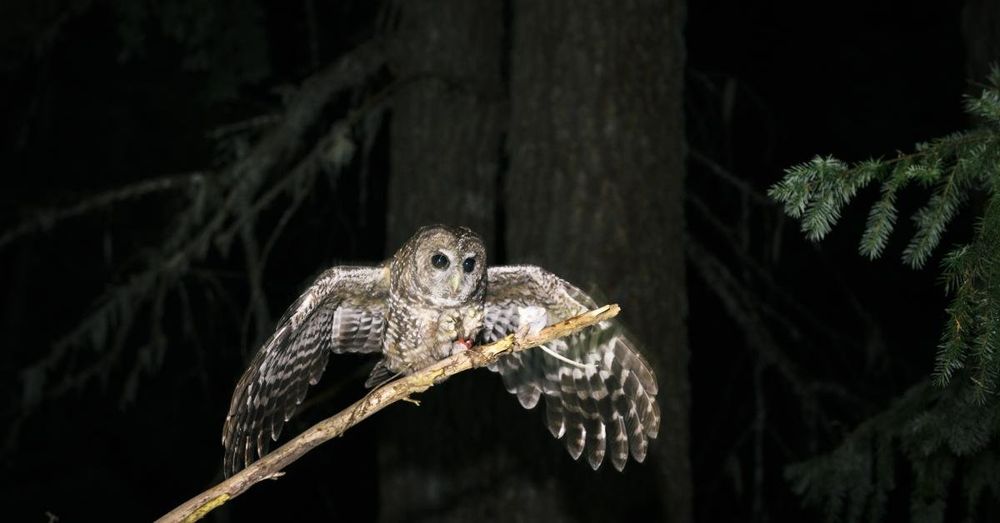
271,465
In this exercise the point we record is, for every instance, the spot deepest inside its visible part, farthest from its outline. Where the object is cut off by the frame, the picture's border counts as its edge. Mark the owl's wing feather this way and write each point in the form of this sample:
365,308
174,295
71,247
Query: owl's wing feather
342,311
607,407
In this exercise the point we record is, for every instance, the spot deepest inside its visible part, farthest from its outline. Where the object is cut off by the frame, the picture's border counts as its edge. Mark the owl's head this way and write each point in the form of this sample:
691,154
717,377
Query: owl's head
442,264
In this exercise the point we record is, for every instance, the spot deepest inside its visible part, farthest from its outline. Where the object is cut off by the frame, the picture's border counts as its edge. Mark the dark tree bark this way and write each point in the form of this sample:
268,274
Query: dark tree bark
435,461
446,121
595,194
595,190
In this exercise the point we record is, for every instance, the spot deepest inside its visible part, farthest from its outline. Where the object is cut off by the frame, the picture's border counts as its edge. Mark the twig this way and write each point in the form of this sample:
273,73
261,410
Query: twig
271,465
44,220
254,123
765,276
192,236
257,308
725,175
737,303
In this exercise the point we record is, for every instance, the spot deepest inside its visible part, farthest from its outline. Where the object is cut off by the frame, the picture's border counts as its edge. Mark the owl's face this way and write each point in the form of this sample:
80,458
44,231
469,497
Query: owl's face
446,265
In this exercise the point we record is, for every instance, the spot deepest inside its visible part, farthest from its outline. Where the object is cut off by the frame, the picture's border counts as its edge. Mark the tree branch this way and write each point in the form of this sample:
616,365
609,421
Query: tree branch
231,197
271,465
46,219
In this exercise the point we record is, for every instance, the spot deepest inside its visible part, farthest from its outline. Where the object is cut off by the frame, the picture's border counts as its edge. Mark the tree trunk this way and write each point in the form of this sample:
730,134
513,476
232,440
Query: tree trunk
595,190
445,144
446,120
596,160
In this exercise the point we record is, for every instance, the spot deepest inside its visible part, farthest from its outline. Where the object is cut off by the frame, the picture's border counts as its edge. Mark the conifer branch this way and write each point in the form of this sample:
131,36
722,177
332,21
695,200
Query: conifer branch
217,209
45,220
272,465
956,168
943,433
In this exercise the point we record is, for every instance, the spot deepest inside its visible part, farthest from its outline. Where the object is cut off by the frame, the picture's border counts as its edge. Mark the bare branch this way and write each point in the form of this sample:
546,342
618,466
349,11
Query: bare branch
245,187
44,220
271,465
739,303
732,179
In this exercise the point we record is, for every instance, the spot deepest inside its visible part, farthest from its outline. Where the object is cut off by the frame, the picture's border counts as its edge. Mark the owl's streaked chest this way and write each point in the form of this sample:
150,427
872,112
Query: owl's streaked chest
419,335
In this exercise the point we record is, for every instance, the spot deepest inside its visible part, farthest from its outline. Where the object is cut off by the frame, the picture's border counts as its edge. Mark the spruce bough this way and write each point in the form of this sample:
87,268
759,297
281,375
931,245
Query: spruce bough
944,427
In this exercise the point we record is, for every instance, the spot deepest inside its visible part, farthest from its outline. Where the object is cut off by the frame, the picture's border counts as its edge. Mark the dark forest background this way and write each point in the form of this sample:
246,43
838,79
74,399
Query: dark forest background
175,172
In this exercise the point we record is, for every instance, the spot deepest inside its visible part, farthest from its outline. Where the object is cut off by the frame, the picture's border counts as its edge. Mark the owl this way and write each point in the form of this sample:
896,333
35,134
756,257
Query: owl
434,297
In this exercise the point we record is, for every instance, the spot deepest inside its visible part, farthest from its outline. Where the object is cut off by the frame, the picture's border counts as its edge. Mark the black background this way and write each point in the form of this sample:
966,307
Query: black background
850,79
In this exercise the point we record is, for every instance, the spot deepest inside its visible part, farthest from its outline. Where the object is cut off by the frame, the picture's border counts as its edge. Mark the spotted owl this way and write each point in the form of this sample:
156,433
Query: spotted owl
434,297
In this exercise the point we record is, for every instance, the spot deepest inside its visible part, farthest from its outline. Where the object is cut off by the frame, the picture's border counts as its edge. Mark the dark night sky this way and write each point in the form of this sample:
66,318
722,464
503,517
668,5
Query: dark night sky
852,79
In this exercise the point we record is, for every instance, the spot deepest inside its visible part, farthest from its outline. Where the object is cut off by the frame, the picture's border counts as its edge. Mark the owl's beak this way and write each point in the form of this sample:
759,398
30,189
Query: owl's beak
456,280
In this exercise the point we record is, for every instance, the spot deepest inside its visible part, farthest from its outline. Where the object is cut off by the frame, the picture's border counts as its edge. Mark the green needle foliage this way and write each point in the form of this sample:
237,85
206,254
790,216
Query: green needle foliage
954,168
945,429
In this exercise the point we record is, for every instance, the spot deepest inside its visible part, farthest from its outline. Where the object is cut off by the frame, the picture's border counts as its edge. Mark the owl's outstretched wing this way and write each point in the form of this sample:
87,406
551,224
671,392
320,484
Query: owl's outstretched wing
342,311
607,405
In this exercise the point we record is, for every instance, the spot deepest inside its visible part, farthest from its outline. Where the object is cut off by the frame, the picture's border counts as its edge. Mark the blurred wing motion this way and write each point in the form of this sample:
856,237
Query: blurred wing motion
343,311
605,404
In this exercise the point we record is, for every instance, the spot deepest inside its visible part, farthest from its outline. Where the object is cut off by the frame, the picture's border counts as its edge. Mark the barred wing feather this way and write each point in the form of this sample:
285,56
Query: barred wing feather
342,311
603,407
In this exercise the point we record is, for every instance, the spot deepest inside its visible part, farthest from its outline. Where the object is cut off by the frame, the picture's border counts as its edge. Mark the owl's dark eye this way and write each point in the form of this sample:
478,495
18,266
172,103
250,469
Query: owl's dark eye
469,264
439,261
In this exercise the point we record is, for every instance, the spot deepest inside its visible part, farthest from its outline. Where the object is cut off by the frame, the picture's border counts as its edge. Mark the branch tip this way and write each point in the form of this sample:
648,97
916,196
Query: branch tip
272,465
